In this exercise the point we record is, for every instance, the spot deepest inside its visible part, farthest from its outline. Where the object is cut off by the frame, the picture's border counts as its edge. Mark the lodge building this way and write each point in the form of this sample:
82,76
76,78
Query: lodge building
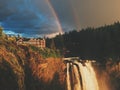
35,42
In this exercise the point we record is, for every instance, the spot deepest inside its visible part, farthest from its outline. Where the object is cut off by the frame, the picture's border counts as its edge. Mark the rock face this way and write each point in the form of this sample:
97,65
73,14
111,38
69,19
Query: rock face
50,74
21,68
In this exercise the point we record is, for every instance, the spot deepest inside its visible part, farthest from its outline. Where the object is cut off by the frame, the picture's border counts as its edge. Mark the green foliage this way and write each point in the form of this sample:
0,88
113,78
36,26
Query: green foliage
12,49
1,31
52,46
46,52
91,43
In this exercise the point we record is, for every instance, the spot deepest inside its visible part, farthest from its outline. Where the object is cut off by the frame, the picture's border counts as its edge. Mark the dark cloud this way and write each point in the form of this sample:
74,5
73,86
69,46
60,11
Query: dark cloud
34,17
23,16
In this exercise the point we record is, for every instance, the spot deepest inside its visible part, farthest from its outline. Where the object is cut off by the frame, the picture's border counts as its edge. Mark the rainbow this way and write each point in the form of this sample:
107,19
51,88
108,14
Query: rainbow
75,15
55,16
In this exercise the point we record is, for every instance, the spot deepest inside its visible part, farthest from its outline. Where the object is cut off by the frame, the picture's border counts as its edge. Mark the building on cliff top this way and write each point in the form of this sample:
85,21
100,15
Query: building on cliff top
35,42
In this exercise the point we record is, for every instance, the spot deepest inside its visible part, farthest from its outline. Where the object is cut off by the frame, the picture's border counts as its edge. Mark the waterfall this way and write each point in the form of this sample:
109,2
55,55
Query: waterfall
81,76
77,84
68,77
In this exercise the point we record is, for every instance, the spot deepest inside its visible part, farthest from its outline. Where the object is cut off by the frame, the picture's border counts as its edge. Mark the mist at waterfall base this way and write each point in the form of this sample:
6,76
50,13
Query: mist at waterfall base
85,77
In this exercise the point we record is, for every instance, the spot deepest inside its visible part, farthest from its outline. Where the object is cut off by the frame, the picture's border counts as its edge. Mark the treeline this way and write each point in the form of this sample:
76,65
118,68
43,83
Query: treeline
90,43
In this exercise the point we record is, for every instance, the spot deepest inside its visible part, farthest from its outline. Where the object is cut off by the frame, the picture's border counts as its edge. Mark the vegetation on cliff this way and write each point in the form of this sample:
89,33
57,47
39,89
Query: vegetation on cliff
29,68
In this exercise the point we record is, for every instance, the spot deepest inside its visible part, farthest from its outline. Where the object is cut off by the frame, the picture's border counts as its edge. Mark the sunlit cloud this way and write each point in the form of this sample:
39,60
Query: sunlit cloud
10,32
53,34
43,17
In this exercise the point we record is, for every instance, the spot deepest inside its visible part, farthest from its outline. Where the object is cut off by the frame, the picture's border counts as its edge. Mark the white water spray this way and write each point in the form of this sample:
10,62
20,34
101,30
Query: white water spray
68,77
77,84
83,76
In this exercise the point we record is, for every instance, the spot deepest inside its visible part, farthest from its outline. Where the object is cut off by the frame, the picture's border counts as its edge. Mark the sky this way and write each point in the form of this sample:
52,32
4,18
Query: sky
38,18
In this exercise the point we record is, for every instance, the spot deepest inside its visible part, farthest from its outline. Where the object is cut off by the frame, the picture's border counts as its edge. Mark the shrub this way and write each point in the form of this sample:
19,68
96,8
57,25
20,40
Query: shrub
46,52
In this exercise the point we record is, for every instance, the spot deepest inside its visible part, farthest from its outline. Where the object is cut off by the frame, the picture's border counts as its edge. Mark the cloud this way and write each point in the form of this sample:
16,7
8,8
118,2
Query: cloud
22,16
87,12
34,17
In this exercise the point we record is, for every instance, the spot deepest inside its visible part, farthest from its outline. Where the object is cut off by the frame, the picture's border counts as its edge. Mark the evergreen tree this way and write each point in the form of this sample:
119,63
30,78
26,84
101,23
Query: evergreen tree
1,31
53,45
91,43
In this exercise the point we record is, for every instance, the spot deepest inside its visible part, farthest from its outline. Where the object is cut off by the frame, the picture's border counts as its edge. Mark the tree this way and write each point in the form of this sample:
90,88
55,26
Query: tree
1,31
18,36
52,46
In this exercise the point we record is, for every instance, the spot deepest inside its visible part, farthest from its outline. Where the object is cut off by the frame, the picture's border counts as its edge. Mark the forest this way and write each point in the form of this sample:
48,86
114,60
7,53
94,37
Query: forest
90,43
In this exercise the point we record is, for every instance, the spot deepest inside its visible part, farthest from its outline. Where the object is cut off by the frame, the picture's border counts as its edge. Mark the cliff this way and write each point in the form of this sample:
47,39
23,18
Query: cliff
23,68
